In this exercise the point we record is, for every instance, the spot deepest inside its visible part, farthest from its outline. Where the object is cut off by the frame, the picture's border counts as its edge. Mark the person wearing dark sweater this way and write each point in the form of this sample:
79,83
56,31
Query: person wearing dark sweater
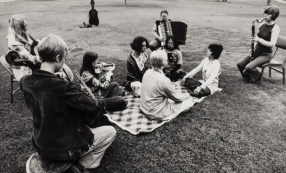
265,40
136,65
67,124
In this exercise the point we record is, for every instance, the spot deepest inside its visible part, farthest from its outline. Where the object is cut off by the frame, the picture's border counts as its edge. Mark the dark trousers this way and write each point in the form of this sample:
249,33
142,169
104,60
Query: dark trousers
112,91
176,75
247,66
117,103
191,84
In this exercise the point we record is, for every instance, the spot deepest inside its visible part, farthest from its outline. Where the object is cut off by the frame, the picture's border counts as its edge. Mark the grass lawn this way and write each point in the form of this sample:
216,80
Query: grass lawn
241,129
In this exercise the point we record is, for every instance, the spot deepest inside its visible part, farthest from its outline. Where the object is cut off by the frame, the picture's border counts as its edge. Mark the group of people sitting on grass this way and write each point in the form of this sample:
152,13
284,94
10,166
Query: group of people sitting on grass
69,124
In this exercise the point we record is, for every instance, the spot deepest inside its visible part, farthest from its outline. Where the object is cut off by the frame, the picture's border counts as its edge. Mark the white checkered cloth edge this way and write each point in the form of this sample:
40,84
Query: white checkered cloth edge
134,121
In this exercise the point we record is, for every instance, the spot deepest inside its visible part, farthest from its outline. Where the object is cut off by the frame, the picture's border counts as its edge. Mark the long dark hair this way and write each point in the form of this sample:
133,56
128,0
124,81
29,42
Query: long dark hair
88,58
176,46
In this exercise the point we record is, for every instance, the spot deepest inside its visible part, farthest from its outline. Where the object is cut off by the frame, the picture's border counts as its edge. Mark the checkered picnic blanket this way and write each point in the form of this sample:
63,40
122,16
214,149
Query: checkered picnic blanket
134,121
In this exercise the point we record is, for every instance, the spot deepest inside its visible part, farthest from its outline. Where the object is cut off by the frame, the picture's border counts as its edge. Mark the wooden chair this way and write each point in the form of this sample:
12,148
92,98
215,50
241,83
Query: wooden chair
278,66
5,64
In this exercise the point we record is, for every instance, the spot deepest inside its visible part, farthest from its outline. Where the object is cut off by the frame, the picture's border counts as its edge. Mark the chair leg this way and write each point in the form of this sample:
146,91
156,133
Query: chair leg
261,75
11,94
283,71
270,71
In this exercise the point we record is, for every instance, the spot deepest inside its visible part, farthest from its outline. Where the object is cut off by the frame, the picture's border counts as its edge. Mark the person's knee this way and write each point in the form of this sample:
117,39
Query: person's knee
239,66
249,67
110,132
114,84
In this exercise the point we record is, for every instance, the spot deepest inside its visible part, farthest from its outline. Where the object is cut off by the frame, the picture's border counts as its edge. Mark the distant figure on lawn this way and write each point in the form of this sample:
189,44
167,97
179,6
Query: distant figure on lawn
67,124
154,44
159,98
136,65
211,69
93,17
265,41
175,60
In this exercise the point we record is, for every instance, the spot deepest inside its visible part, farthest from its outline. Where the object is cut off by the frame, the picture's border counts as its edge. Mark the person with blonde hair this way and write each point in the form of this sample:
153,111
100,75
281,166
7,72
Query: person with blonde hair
161,101
67,124
20,41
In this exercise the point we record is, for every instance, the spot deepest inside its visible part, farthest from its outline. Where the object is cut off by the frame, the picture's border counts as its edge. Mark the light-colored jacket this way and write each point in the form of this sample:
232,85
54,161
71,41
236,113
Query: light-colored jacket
159,99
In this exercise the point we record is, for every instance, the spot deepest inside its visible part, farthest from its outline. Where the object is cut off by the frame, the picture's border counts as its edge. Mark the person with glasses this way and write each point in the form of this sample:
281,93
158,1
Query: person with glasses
136,65
265,40
175,60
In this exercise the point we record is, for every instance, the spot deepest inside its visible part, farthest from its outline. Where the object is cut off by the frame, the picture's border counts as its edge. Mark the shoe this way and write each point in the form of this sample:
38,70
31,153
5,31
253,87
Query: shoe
83,25
78,168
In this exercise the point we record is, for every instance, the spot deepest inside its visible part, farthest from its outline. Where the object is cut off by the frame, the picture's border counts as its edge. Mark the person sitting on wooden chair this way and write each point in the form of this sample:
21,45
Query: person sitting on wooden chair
265,40
67,124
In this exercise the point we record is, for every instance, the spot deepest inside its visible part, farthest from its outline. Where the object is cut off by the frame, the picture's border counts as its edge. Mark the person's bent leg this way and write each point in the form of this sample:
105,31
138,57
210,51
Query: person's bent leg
187,104
112,91
103,137
250,68
242,63
117,103
204,93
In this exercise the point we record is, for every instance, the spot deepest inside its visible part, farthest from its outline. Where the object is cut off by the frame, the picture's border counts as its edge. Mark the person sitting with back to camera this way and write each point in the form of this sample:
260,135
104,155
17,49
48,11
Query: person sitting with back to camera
211,69
67,124
159,98
136,65
175,60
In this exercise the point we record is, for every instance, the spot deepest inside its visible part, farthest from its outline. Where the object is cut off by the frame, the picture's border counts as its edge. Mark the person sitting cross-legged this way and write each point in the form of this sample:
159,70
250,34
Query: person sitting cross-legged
159,98
67,124
136,65
211,69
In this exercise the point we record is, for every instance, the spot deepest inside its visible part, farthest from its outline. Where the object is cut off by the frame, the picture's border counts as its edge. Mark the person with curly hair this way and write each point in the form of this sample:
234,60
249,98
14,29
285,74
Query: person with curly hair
136,65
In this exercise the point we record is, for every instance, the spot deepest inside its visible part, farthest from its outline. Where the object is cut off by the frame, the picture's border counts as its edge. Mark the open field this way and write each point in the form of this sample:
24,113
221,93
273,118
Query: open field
241,129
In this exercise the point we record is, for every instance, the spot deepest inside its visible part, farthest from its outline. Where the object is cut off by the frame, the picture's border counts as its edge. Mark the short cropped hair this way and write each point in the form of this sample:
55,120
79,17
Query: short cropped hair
273,10
216,50
158,59
51,46
137,43
164,11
